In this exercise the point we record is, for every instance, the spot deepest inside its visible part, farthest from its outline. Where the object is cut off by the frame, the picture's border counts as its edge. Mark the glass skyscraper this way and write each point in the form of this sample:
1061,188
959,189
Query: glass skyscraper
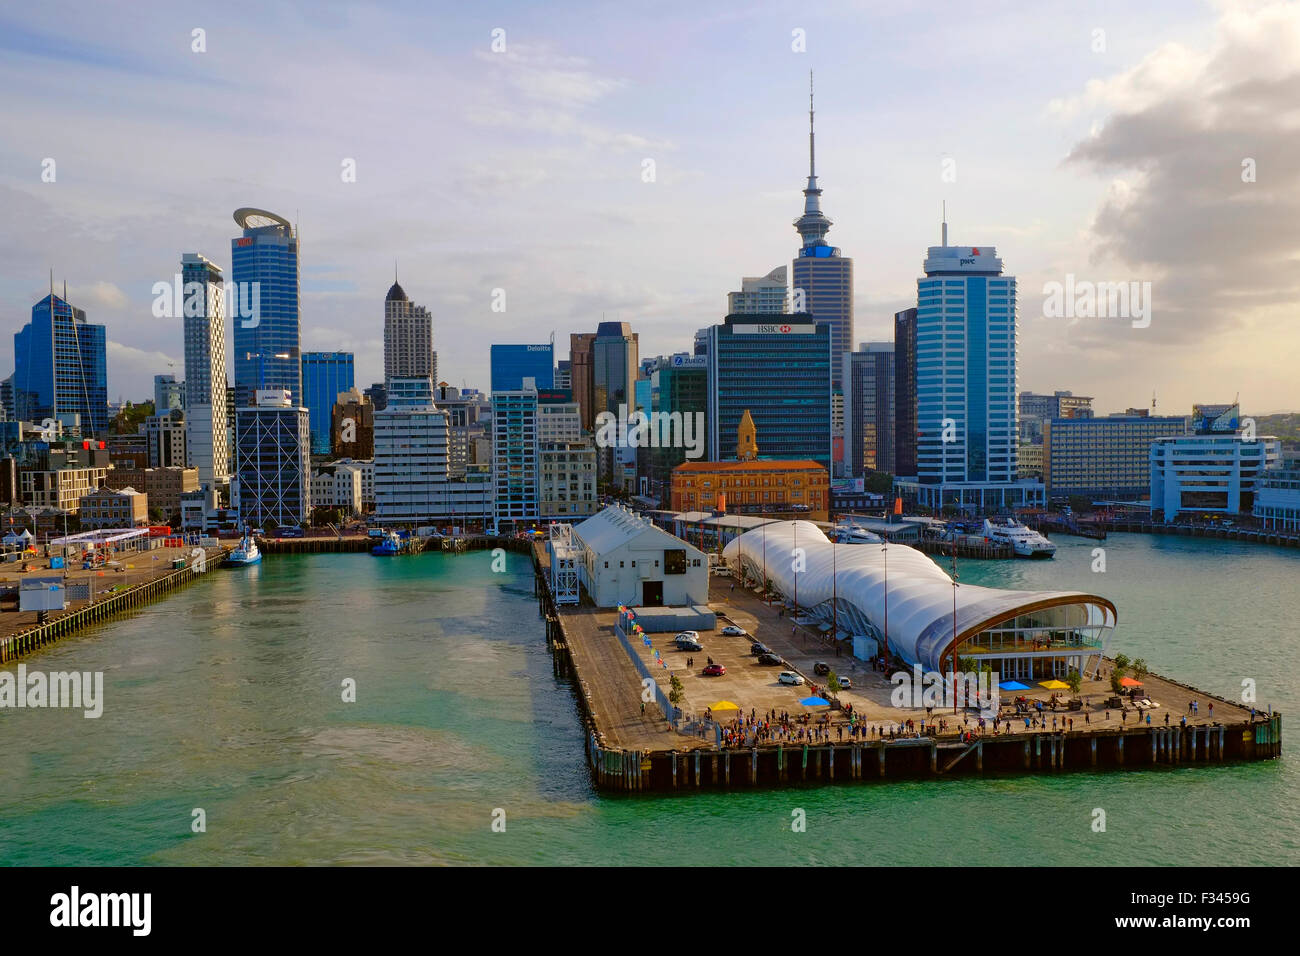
266,325
511,364
869,409
60,367
777,368
968,441
324,376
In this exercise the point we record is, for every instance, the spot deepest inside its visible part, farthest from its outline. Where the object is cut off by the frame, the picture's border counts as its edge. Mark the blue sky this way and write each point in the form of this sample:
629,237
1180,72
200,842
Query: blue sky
522,170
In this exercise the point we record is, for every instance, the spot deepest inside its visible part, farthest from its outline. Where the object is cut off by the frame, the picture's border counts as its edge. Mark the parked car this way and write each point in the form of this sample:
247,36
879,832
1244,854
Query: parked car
770,660
714,670
846,684
789,677
732,630
688,641
760,648
821,667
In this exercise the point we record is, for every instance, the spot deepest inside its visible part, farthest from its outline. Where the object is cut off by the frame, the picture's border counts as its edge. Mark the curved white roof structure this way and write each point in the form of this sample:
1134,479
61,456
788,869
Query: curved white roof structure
902,595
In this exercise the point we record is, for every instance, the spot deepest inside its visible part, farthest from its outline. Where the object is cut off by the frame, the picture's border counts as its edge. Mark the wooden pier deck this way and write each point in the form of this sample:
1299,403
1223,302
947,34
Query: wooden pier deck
628,749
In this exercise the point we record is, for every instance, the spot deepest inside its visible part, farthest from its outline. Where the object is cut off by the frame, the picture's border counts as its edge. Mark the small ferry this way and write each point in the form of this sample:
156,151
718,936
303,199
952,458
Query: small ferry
1026,542
391,545
246,553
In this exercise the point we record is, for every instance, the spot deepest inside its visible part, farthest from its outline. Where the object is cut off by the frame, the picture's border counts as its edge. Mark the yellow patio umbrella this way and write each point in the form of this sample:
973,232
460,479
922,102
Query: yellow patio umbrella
725,705
1053,684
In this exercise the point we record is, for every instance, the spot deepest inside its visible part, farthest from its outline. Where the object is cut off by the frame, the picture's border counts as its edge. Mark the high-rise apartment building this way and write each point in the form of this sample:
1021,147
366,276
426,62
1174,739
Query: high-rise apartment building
515,456
207,417
263,307
60,367
325,375
408,338
761,294
165,439
411,479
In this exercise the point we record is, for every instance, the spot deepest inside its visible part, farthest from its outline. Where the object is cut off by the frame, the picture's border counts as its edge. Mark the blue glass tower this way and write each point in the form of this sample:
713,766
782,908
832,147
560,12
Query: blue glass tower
511,364
60,366
265,317
324,375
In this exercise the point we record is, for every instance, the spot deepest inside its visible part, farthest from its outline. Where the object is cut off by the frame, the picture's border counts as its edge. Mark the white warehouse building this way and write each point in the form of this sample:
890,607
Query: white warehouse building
625,559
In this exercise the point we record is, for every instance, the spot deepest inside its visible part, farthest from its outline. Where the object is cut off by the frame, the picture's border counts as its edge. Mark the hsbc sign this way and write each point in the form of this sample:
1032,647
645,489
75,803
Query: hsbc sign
783,329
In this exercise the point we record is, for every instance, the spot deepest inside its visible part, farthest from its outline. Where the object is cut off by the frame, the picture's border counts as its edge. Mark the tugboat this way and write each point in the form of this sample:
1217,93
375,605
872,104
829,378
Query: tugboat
247,553
390,546
1026,542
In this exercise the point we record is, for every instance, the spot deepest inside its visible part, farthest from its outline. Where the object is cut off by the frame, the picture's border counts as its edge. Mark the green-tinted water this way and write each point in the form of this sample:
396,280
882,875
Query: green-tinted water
227,696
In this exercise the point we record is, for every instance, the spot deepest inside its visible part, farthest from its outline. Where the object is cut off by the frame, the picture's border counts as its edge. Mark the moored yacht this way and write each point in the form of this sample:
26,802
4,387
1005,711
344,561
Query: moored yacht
245,553
1026,542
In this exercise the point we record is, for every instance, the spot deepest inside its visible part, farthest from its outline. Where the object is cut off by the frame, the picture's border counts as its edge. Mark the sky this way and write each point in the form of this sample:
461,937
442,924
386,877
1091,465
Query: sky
1088,142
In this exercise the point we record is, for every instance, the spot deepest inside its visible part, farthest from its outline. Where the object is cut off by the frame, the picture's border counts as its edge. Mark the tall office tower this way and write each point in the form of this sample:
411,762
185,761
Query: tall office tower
780,373
966,384
869,390
263,307
614,358
207,418
511,364
412,482
7,399
580,375
167,394
377,393
701,346
165,439
905,393
1036,410
272,483
823,279
324,376
408,338
563,378
761,295
60,367
515,456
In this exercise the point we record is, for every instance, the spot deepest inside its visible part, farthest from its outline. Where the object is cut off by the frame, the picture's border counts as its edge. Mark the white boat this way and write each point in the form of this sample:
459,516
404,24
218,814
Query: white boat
1026,542
247,552
852,534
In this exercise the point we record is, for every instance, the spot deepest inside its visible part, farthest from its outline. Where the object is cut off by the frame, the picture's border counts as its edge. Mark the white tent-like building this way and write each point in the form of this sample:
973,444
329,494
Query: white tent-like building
899,596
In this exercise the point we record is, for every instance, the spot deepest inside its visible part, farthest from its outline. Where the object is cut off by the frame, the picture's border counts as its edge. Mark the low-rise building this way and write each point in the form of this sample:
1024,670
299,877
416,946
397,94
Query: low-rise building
1215,471
625,559
163,486
1277,497
1108,458
114,508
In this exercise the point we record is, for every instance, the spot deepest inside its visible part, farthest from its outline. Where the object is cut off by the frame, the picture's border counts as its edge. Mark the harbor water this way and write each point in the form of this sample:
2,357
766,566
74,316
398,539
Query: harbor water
228,697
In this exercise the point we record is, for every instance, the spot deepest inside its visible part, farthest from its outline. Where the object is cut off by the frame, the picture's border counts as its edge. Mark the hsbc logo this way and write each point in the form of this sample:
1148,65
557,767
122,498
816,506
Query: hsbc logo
785,329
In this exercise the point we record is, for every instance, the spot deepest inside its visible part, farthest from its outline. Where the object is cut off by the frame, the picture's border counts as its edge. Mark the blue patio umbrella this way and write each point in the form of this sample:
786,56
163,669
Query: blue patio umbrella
814,701
1013,685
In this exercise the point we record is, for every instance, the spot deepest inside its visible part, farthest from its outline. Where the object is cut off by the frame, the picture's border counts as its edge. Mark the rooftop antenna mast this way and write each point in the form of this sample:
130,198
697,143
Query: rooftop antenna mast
945,222
1153,399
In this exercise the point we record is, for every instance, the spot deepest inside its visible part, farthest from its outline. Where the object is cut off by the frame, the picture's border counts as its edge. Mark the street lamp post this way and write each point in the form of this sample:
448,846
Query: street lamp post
955,585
